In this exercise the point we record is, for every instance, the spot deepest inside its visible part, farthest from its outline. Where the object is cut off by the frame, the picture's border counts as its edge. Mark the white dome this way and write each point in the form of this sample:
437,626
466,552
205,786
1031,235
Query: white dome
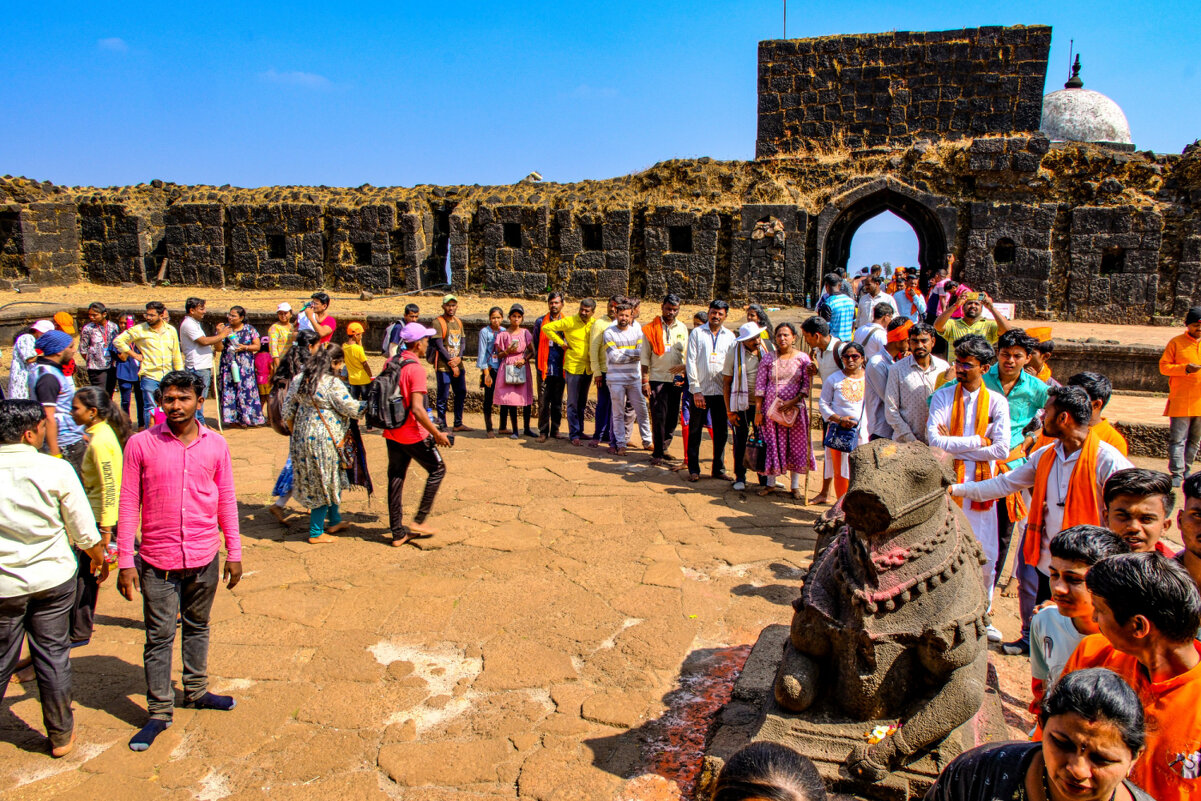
1082,115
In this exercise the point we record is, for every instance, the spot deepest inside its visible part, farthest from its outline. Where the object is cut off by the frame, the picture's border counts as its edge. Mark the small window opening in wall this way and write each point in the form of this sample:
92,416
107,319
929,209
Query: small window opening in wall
512,235
679,238
1005,252
593,237
277,246
1113,260
362,254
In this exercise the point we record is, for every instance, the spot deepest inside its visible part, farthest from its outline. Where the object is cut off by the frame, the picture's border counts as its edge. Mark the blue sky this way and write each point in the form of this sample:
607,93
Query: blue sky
403,93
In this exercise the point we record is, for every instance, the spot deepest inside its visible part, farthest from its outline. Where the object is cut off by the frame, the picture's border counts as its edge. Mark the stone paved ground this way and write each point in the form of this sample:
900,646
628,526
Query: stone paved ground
533,649
518,654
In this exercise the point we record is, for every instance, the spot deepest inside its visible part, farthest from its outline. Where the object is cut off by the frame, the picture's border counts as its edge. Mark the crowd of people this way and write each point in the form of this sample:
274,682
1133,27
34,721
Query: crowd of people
1108,612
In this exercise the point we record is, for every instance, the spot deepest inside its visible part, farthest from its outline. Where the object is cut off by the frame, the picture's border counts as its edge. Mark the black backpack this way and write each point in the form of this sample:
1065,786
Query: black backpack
386,404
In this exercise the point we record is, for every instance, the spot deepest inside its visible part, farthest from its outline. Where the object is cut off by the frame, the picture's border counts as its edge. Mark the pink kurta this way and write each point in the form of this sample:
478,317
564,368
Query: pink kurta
507,394
788,447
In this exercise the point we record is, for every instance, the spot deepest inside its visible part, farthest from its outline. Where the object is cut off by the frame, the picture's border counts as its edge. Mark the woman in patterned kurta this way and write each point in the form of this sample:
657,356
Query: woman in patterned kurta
781,388
23,353
240,402
514,346
319,409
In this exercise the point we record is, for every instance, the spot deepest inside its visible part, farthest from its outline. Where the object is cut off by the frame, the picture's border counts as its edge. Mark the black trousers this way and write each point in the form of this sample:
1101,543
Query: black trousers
400,456
87,591
665,414
550,405
716,406
46,617
488,393
104,378
510,413
168,596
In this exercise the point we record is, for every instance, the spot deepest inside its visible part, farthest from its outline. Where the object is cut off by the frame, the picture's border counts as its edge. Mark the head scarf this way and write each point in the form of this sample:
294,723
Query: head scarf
53,342
901,332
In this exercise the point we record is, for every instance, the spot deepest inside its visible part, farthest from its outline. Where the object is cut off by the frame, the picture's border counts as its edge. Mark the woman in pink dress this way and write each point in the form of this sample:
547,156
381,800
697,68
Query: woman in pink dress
781,388
515,348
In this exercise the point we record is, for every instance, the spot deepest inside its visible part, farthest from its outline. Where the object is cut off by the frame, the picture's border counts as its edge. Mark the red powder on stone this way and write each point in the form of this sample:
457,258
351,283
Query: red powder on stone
676,745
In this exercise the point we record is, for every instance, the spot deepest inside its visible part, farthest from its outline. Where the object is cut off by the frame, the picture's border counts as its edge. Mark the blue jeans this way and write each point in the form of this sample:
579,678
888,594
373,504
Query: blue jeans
149,386
602,412
447,381
320,515
207,375
130,388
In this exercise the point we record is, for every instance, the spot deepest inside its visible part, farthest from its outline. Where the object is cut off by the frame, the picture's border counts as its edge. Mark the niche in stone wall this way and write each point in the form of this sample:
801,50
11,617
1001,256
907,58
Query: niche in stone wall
362,254
1113,260
679,238
12,265
1005,251
592,236
277,246
512,235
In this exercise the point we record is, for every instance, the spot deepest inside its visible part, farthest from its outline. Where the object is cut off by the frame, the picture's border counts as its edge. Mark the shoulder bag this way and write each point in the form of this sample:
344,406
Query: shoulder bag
838,438
344,449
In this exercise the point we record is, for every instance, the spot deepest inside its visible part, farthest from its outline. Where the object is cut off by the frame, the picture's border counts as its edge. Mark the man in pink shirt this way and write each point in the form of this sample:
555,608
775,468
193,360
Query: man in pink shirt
178,483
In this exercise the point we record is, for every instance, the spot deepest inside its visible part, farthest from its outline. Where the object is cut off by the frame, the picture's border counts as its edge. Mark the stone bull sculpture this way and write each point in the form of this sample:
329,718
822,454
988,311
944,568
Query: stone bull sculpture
890,624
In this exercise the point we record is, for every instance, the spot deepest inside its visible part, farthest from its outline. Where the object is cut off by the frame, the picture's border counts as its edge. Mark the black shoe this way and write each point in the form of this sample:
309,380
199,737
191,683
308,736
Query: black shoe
1016,648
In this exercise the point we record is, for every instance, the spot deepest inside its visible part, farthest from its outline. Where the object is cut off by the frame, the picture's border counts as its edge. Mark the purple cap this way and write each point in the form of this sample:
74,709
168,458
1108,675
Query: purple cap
415,331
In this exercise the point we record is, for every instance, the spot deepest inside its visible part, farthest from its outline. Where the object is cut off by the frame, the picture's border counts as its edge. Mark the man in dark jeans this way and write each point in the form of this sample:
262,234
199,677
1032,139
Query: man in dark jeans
44,517
177,568
448,362
413,441
550,372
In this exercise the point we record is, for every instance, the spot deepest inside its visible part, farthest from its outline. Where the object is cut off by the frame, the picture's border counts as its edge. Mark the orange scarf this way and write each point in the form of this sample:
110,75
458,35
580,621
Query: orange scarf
1014,505
1081,505
543,346
652,333
958,427
1044,373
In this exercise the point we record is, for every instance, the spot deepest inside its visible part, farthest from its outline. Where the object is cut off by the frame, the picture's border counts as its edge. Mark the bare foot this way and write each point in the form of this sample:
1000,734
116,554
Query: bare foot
334,529
491,435
422,529
279,514
820,498
322,539
540,439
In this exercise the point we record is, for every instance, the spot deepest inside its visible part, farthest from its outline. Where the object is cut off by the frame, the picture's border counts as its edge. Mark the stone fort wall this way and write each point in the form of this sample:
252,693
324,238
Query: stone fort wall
1071,231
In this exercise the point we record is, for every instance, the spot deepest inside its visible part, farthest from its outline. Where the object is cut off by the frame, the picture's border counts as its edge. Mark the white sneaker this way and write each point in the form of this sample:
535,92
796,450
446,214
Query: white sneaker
739,485
994,634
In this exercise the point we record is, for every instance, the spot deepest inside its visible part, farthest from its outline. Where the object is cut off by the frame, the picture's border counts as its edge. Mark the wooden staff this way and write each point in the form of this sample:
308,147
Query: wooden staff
217,395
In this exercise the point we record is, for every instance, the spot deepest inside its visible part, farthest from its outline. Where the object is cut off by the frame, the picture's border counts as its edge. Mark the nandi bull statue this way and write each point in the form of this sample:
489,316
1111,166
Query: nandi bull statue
887,652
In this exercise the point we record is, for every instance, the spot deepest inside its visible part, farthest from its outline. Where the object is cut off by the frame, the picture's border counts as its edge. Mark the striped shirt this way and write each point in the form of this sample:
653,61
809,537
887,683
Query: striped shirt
842,317
623,353
160,349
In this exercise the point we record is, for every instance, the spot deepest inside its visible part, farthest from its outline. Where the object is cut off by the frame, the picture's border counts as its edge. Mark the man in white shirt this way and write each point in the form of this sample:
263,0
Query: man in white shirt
1066,419
44,511
875,389
707,347
910,384
197,347
873,336
826,351
976,437
873,293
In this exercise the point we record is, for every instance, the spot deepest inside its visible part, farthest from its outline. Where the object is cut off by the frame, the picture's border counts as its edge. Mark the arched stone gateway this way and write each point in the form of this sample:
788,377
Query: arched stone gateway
932,217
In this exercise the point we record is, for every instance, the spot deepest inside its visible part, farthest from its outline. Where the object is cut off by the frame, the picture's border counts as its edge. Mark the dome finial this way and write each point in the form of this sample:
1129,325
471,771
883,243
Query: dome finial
1075,82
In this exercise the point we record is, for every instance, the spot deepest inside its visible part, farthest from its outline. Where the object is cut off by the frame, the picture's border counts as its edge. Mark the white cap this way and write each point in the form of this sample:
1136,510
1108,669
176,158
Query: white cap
42,326
285,306
750,331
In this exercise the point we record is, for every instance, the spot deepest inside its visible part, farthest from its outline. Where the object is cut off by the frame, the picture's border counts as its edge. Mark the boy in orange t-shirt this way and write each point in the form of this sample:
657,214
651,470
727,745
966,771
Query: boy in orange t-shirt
1149,610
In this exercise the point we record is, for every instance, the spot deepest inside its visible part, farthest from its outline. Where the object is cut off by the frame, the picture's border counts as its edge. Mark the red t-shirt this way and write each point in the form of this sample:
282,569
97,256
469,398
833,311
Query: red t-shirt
327,320
412,379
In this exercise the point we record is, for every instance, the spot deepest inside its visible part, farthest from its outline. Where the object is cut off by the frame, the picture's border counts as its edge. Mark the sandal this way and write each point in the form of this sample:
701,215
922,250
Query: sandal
763,493
694,477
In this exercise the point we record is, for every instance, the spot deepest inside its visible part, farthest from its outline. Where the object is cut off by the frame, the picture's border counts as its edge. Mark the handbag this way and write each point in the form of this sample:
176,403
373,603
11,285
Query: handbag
840,439
275,409
345,449
754,458
515,373
783,417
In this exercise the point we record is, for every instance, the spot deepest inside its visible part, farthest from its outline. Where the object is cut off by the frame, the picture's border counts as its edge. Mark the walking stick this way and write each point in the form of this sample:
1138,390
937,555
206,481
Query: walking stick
809,434
217,397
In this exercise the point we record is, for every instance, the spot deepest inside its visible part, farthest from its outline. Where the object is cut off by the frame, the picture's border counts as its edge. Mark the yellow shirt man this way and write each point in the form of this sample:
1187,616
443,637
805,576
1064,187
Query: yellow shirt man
574,335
